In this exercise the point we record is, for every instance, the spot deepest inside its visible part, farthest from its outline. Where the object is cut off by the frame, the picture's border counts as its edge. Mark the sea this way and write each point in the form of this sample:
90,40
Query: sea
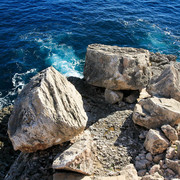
37,34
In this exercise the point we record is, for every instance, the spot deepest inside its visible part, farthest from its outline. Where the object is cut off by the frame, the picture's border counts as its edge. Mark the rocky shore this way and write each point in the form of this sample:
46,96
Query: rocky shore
119,122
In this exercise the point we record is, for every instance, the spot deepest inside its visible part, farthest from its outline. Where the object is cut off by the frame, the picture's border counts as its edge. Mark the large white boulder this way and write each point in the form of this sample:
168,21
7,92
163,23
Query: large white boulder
48,111
117,68
155,112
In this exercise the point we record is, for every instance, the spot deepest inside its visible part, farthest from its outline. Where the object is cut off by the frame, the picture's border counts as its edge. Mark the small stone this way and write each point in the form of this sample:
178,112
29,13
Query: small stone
113,97
140,164
154,169
149,156
174,165
142,172
170,153
178,149
155,142
170,132
158,157
137,158
170,172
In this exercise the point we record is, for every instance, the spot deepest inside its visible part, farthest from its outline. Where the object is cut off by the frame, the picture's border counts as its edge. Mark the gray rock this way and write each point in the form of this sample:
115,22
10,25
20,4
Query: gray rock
155,112
141,164
48,111
170,132
156,142
113,97
167,84
149,156
79,157
174,165
117,68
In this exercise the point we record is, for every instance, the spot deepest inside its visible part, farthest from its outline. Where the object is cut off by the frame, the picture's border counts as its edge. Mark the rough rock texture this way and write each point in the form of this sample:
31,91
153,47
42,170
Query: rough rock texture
174,165
113,97
117,68
128,173
156,142
79,157
159,62
155,112
167,84
170,132
112,129
48,111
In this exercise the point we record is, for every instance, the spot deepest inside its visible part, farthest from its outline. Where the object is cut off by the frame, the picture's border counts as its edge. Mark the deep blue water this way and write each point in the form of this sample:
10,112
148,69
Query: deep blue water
37,34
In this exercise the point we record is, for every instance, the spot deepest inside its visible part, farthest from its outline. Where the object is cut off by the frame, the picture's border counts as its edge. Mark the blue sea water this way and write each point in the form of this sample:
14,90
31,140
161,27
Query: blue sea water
38,34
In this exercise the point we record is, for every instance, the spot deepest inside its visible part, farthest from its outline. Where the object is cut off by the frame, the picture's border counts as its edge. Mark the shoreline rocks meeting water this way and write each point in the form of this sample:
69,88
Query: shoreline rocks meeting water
120,122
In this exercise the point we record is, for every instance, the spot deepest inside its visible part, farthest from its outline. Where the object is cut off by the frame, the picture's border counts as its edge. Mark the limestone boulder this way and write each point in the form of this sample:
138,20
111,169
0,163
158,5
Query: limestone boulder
155,112
117,68
48,111
156,142
79,157
167,84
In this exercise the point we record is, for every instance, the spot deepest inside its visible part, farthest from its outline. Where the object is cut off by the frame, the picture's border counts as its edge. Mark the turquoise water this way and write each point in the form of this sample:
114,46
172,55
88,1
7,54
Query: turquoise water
38,34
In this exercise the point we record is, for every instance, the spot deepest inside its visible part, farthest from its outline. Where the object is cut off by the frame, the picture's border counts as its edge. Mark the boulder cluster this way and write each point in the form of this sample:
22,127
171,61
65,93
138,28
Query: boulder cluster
120,122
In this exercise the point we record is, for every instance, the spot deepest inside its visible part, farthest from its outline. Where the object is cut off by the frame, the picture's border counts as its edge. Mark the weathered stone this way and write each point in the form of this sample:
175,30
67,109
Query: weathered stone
149,156
154,169
170,132
48,111
129,172
141,164
143,94
159,62
78,157
170,153
113,97
158,158
174,165
155,112
117,68
156,142
155,176
167,84
132,98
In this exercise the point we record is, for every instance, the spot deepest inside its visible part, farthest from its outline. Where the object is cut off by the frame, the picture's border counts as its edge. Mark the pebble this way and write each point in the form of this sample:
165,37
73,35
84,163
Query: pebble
149,156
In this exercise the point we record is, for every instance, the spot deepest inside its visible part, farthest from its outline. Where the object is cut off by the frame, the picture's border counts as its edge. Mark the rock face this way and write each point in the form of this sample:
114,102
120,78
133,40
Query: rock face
155,112
155,142
78,157
48,111
168,83
117,68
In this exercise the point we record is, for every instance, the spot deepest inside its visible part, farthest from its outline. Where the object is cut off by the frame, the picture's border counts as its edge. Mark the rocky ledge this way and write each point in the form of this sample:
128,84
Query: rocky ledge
120,122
